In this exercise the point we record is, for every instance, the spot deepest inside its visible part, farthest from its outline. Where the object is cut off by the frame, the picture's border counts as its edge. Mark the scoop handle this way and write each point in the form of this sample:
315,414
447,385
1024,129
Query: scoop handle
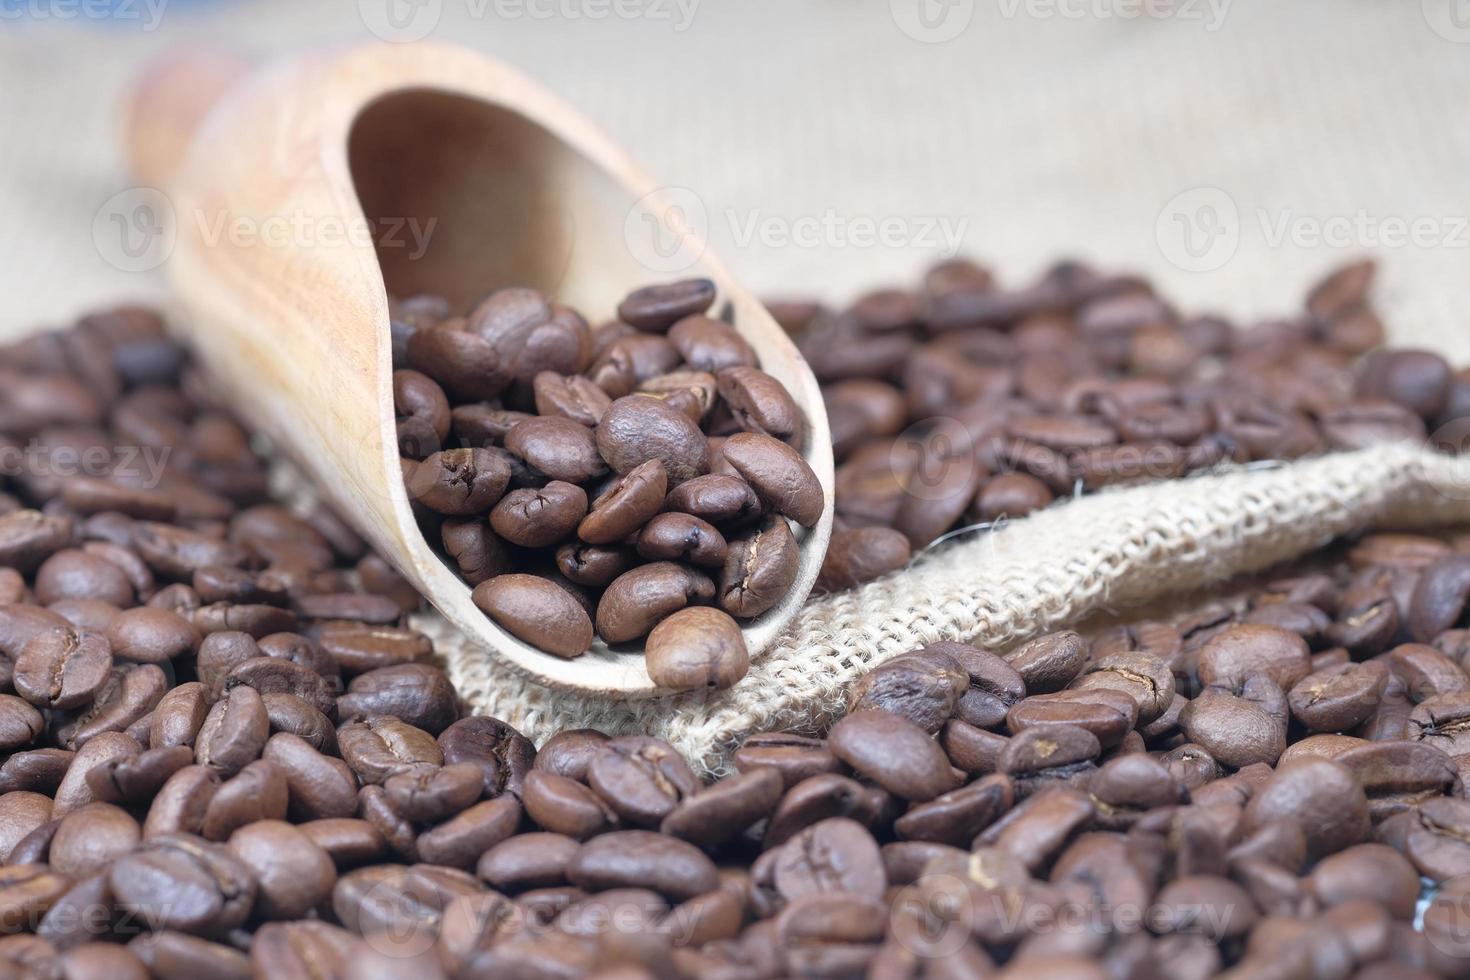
168,102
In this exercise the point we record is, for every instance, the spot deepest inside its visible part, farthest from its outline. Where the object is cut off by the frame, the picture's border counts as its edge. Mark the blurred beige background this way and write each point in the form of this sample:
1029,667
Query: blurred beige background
1234,149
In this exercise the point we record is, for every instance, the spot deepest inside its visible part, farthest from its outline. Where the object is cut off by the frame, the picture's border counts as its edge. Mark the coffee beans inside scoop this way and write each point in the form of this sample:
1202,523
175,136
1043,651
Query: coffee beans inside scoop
639,481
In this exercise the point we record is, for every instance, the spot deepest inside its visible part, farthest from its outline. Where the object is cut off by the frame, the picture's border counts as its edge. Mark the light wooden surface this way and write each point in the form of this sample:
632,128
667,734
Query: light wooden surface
286,301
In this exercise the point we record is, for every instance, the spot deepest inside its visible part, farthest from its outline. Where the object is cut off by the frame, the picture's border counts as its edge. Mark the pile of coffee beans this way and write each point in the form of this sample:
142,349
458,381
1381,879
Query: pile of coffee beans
225,753
963,403
638,480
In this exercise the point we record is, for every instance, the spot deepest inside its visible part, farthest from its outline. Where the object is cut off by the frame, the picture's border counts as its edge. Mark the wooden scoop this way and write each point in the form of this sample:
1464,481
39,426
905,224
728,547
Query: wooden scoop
470,177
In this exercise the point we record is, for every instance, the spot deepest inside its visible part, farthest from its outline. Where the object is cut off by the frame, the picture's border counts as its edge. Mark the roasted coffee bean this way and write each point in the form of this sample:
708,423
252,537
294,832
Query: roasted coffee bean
257,792
37,770
358,648
831,856
723,811
137,779
129,694
637,428
537,611
696,648
565,806
319,786
348,841
1238,728
638,600
542,517
923,687
778,474
720,498
642,779
656,308
274,675
861,554
592,566
643,859
759,569
417,694
1146,679
182,802
1436,841
178,881
171,955
575,398
1246,649
1050,662
292,874
381,746
234,732
631,502
63,669
301,949
1338,698
1109,714
894,753
795,757
680,537
1322,796
407,900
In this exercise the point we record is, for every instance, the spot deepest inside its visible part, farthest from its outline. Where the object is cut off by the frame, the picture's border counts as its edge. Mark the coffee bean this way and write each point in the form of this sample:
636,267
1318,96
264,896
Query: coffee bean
721,812
836,855
257,792
795,757
637,428
298,949
759,569
564,806
542,517
417,694
637,858
656,308
633,500
696,648
358,648
1147,679
1322,796
63,669
858,555
893,752
319,786
680,537
637,600
292,874
234,732
381,746
1238,729
779,476
537,611
1050,662
178,881
575,398
642,779
720,498
1338,698
923,687
1281,655
171,955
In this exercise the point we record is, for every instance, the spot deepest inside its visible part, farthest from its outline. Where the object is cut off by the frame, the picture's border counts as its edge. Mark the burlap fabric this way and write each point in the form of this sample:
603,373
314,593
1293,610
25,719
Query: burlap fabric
1231,150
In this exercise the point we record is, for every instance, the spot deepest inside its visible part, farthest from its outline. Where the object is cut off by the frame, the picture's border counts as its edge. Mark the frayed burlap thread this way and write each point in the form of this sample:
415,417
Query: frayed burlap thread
1112,549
